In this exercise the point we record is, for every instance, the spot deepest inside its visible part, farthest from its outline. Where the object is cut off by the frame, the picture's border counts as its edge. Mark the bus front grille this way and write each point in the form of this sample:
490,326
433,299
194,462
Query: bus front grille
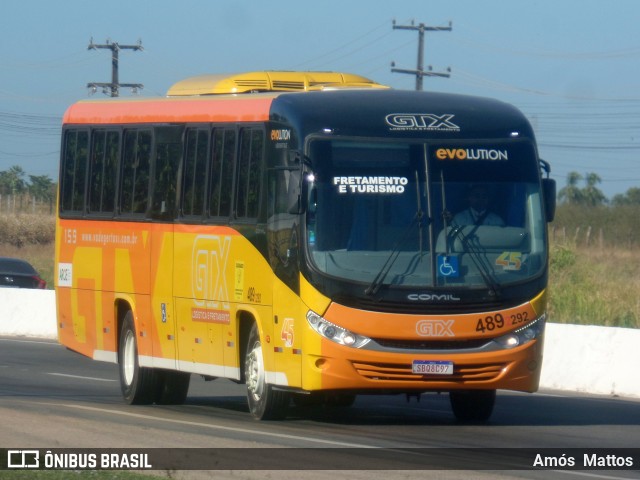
388,372
432,344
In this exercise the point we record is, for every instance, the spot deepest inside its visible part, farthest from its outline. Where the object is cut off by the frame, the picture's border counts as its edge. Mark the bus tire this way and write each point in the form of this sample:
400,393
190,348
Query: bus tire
138,384
264,402
172,387
472,405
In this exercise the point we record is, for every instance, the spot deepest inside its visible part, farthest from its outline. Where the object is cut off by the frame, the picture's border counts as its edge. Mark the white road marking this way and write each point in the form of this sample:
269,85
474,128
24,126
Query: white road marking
39,342
81,378
215,427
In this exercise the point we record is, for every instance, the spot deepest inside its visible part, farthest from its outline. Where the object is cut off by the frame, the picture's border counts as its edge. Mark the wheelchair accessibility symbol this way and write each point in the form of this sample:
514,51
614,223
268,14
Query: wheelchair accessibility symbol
448,266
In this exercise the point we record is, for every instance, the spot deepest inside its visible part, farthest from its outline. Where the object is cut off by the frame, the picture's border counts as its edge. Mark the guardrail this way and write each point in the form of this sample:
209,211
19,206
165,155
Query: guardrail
578,358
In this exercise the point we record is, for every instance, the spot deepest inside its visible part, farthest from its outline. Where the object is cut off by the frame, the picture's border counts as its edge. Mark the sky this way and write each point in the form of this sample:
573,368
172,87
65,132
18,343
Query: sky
571,66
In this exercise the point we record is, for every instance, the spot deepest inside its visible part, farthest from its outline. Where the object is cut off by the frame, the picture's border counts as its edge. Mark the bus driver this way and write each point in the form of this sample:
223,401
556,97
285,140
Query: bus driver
478,213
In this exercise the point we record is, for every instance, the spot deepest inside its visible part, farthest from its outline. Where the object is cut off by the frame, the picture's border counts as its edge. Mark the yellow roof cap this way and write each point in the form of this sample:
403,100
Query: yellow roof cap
268,81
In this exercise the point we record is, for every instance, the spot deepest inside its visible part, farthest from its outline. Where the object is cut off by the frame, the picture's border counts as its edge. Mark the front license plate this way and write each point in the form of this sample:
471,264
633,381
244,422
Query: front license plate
428,367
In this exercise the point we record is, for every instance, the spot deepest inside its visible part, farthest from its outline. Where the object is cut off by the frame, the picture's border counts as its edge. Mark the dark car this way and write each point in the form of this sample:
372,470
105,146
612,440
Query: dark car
16,273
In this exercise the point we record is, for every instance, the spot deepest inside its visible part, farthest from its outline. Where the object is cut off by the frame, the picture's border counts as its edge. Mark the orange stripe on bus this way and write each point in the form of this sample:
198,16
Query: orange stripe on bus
169,110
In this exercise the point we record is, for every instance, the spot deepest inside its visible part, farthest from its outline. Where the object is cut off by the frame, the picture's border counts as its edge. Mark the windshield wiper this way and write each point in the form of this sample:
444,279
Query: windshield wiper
417,219
375,285
486,271
476,254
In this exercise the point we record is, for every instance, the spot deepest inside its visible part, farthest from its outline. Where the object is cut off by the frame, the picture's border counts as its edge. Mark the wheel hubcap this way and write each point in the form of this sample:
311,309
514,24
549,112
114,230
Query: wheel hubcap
255,372
129,358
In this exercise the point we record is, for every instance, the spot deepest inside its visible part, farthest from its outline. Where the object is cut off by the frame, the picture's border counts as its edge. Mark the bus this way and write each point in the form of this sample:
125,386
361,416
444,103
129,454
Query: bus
299,233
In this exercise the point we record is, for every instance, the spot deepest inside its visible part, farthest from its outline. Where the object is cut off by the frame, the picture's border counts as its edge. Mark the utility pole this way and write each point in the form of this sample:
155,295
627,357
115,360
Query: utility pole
419,72
114,86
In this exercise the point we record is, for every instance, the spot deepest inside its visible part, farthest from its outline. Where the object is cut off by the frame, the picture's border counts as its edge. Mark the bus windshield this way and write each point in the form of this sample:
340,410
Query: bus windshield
425,215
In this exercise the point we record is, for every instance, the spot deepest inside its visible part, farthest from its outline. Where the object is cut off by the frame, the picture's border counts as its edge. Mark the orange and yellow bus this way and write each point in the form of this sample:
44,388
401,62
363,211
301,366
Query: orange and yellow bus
312,235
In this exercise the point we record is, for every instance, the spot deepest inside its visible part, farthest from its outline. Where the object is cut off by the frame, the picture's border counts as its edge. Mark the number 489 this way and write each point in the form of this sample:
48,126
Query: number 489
490,323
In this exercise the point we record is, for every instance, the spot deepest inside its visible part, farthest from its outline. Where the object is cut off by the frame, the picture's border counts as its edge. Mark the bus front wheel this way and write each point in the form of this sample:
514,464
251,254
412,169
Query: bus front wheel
472,405
265,403
138,384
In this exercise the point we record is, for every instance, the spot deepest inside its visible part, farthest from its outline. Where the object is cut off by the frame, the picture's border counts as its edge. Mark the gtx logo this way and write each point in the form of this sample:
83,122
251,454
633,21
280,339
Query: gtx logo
421,121
435,328
209,259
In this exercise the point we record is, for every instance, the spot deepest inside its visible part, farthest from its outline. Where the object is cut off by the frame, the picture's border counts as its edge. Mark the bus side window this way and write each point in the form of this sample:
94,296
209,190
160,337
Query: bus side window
193,172
105,150
221,172
167,159
282,226
134,174
249,174
73,172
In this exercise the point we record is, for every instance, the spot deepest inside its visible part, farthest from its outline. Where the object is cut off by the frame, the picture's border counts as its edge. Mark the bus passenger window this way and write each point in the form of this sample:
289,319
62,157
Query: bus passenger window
136,165
168,151
221,173
74,168
105,148
249,173
193,175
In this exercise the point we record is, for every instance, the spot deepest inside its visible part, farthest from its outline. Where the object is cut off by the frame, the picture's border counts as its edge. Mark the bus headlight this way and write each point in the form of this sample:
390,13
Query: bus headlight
335,333
523,335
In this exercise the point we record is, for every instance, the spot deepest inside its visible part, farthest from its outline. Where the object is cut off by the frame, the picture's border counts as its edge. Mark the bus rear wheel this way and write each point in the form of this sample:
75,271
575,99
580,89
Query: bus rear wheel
472,405
265,403
138,384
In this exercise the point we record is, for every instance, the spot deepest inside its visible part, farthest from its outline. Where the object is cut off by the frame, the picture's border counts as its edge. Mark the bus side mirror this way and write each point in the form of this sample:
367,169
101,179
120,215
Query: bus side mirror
549,192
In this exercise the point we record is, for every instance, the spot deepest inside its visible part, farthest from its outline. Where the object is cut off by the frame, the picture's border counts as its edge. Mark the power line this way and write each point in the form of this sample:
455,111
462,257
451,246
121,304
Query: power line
350,44
419,71
114,86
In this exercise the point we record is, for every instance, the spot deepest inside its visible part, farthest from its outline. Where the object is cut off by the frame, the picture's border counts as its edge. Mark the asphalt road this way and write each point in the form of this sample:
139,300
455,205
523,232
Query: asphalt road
53,398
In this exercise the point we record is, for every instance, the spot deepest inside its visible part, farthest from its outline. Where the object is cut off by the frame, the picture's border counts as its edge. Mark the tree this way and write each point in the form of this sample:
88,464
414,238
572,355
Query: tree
571,194
12,181
592,195
631,197
41,187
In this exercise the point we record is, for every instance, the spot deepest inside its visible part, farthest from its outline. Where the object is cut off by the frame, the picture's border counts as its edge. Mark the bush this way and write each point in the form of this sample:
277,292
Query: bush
602,226
27,229
594,286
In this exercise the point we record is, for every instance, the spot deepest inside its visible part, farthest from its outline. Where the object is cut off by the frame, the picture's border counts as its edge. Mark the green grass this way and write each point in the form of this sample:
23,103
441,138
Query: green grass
594,286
